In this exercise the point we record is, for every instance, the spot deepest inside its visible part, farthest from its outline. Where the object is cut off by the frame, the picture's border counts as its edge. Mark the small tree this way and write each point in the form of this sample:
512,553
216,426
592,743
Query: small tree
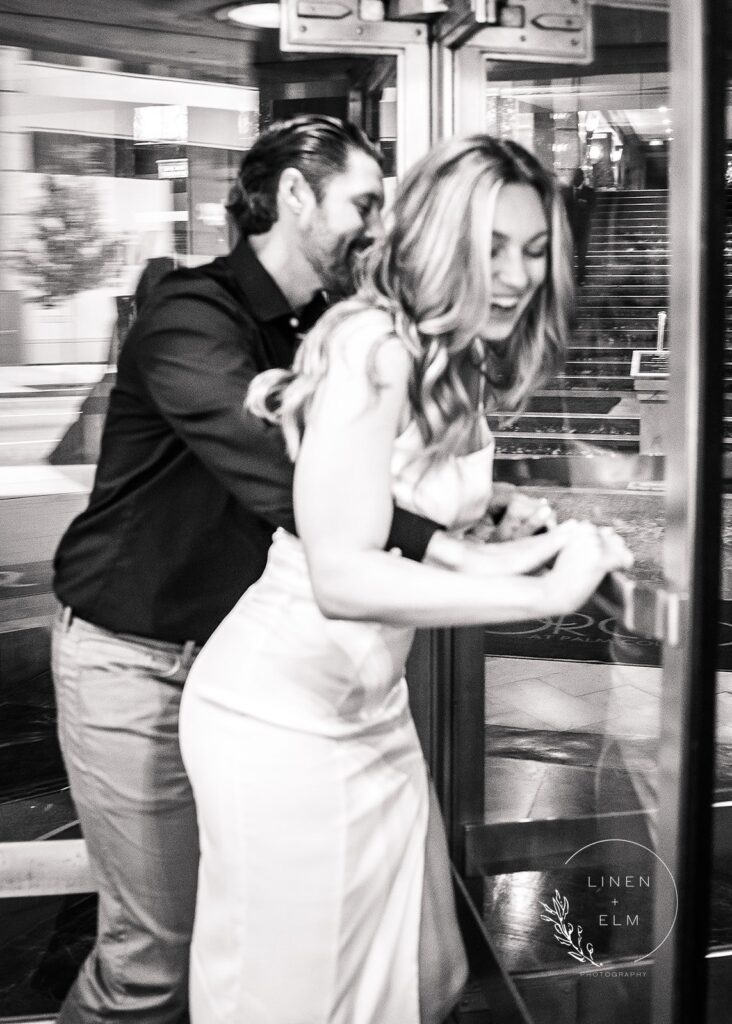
68,250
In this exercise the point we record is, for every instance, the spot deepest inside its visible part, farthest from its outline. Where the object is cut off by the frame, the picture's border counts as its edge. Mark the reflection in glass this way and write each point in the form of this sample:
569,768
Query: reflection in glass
573,704
110,177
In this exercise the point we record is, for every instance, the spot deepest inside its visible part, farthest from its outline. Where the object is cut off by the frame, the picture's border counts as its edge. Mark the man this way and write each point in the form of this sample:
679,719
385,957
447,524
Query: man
188,492
580,200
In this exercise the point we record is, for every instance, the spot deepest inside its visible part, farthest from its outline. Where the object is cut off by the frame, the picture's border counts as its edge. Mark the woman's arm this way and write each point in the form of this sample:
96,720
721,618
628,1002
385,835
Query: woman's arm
343,509
464,554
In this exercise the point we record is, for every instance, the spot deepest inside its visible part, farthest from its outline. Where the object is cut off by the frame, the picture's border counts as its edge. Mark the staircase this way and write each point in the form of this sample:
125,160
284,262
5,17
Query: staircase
627,272
590,407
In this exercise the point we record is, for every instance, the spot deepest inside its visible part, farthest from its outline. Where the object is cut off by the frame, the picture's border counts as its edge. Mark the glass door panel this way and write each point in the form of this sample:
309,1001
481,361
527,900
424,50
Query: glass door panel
566,862
133,155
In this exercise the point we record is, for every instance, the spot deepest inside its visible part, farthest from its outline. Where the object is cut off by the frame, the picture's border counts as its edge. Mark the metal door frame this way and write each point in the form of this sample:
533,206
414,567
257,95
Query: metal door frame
408,41
693,494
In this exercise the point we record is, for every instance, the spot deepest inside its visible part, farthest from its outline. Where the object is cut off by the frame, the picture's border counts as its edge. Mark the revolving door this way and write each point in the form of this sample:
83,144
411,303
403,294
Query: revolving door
583,764
582,761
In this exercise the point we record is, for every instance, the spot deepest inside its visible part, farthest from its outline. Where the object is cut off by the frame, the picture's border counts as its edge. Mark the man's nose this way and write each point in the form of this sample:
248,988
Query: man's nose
375,226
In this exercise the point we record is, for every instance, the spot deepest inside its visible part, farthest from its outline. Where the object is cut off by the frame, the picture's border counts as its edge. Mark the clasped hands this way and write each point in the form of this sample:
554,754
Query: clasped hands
512,515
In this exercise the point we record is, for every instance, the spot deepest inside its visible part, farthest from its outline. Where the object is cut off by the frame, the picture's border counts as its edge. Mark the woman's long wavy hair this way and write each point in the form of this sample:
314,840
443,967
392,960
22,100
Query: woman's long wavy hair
432,274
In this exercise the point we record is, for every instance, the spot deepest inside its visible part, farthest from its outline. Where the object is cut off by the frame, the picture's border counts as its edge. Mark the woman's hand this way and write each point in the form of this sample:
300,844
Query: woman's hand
587,555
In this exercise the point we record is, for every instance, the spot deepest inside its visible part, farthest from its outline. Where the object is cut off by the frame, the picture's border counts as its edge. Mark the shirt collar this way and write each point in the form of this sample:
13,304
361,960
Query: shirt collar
262,291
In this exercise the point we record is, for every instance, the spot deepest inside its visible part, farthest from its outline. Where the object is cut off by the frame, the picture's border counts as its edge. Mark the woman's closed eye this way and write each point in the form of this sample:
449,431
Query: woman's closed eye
536,252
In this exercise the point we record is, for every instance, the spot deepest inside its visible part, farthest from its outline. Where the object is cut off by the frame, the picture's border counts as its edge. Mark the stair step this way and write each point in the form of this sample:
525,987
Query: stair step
641,264
619,274
535,446
614,295
588,368
510,442
644,306
598,296
631,208
562,446
562,381
540,422
588,339
648,244
643,290
598,257
626,245
598,429
582,355
603,351
639,339
627,259
628,216
622,234
616,323
630,213
614,230
646,316
609,246
573,402
625,256
621,315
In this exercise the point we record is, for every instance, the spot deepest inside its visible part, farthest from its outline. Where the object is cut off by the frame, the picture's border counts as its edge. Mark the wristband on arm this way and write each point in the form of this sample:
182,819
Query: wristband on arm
411,534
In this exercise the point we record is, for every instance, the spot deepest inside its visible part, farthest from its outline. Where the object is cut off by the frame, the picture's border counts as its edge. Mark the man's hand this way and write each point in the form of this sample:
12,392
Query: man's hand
513,514
526,555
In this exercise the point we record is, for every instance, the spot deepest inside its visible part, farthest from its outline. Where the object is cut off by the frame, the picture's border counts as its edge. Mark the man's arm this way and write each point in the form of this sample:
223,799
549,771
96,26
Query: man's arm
196,364
194,352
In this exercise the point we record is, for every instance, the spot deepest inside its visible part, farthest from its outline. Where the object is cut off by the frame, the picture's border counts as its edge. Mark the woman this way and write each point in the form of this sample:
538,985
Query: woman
324,887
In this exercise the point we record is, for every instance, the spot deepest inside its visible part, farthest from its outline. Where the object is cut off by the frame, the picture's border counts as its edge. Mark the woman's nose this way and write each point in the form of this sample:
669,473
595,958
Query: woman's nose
510,269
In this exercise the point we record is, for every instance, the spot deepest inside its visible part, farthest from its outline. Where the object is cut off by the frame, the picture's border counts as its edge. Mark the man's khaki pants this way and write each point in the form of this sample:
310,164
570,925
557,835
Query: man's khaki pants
117,698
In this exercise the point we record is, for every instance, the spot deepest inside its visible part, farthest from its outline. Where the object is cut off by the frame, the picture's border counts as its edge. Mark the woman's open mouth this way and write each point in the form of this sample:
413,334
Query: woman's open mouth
504,305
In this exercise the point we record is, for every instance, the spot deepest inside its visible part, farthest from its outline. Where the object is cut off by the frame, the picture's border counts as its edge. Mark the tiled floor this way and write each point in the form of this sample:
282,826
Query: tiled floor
567,740
551,755
615,700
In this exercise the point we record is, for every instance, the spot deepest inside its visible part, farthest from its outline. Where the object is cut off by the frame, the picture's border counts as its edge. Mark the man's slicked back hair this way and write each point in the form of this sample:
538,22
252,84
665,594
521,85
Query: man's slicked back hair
315,145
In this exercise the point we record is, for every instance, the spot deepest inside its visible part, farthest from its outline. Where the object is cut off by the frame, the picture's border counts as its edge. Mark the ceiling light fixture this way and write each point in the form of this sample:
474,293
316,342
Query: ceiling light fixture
254,15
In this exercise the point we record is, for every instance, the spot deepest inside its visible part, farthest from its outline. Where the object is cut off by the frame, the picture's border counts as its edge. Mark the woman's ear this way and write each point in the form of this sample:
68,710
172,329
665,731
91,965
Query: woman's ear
294,194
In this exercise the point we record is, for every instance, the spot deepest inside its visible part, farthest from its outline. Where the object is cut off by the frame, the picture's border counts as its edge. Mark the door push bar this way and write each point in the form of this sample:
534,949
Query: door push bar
642,608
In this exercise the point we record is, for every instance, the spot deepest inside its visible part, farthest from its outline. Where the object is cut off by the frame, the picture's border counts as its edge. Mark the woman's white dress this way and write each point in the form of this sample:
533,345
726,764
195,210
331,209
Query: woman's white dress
312,791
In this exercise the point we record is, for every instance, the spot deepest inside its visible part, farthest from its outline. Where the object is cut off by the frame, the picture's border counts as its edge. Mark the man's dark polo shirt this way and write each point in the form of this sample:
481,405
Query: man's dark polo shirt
190,487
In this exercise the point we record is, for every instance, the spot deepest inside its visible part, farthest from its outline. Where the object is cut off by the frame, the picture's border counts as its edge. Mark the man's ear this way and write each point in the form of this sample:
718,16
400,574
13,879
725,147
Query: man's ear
294,194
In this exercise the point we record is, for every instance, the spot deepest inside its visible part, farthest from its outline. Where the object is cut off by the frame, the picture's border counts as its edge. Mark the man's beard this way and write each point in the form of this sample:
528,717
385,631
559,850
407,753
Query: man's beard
340,274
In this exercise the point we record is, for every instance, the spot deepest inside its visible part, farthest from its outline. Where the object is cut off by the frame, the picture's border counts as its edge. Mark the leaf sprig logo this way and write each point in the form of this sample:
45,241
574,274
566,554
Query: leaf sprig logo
564,931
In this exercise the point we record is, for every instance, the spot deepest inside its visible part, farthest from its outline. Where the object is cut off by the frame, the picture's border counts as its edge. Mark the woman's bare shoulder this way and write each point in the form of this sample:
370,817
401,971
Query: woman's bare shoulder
365,337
